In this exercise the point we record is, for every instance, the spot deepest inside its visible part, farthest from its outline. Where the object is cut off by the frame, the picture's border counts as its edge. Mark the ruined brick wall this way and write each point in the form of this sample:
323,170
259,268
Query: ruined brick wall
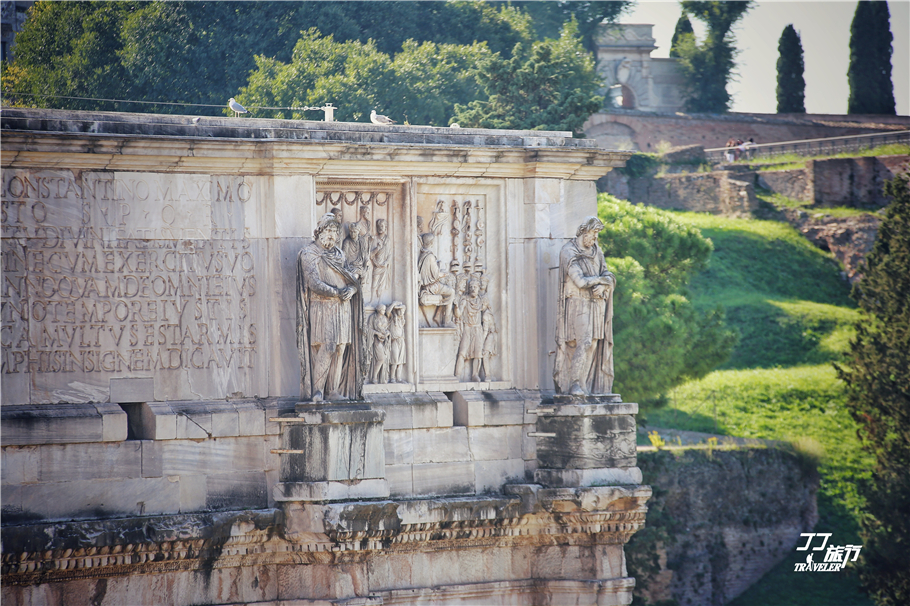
644,130
719,192
718,521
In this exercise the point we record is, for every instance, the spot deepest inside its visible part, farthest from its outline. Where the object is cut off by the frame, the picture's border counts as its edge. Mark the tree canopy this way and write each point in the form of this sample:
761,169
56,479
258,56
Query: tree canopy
203,52
707,67
791,87
664,339
550,86
869,74
420,58
877,377
683,27
421,83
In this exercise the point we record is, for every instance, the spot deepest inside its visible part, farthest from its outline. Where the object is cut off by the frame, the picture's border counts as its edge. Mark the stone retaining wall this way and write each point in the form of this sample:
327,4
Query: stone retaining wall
719,520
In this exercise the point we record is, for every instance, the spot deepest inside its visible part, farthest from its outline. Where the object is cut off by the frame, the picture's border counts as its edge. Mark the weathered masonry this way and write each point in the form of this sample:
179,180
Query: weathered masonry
154,448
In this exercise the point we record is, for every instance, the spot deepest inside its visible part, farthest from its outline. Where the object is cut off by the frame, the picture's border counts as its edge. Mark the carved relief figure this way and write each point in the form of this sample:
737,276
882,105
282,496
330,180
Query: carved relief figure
584,328
329,318
354,253
433,290
380,256
470,311
365,241
378,341
396,330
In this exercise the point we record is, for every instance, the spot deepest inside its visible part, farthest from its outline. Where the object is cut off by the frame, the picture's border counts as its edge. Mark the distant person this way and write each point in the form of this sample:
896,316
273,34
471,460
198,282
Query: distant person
750,147
729,153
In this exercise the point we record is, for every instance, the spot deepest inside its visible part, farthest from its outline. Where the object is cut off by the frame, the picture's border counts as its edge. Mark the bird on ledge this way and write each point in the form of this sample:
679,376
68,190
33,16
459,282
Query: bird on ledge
236,107
380,119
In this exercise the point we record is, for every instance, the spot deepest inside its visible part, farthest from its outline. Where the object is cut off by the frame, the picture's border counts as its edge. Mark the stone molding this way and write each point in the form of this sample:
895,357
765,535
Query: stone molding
94,141
319,533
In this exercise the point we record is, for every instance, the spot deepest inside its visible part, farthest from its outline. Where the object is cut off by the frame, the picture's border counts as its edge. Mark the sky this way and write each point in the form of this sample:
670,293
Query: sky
823,26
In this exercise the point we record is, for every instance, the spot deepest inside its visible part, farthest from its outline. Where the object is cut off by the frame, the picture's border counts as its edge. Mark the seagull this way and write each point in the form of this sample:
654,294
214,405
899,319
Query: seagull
236,107
380,119
196,120
454,125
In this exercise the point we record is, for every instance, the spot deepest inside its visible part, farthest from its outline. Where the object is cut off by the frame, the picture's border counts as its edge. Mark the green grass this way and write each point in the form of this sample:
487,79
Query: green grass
793,161
795,318
780,201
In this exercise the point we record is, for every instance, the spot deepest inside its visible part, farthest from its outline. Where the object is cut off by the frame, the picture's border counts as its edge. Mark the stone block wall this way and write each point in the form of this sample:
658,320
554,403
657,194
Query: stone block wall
186,457
720,519
718,192
643,131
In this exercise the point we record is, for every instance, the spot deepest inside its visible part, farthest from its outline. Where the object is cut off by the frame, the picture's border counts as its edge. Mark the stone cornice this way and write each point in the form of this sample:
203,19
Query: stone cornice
339,160
319,533
96,141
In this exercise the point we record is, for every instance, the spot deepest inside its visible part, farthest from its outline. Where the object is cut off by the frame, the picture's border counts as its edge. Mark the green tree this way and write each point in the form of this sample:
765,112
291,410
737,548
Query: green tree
683,28
203,52
877,376
664,339
551,86
548,18
869,74
68,49
421,83
791,87
707,67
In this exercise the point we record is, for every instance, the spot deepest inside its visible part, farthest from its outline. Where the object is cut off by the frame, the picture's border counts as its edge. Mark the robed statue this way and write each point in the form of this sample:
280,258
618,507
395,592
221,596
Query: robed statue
584,329
329,318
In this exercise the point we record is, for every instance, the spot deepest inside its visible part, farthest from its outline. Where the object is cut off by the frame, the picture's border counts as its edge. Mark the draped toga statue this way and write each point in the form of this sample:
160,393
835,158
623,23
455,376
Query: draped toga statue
584,329
329,318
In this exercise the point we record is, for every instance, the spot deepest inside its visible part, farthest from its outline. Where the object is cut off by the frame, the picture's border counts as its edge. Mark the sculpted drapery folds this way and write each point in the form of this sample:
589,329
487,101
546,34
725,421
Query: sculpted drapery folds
584,329
475,318
380,256
433,289
329,318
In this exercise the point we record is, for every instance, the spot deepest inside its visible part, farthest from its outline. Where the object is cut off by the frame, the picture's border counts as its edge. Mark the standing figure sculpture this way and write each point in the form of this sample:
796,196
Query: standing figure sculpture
378,342
381,256
470,311
329,318
365,240
396,330
584,316
354,253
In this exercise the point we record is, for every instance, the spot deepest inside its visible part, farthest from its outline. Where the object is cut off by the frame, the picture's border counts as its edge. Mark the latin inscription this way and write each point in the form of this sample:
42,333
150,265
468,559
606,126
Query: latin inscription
142,306
116,273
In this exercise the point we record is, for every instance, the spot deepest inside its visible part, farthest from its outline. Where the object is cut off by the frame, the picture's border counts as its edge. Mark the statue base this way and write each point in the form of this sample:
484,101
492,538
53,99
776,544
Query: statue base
586,441
331,451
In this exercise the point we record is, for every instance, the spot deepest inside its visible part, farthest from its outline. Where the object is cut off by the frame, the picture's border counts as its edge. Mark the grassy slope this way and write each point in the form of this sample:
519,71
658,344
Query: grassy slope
795,317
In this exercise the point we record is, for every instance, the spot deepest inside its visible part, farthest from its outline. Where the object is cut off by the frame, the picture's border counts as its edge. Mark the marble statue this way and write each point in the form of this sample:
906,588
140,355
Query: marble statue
433,291
379,344
380,257
584,316
365,242
329,318
396,332
469,312
354,252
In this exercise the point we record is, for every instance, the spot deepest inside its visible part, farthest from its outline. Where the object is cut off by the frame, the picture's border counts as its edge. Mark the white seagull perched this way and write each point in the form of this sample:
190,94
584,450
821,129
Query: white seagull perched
380,119
236,107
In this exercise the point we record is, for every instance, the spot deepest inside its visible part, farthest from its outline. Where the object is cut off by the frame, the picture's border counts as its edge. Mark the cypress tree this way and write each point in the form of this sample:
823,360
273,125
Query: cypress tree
791,87
683,27
869,74
877,377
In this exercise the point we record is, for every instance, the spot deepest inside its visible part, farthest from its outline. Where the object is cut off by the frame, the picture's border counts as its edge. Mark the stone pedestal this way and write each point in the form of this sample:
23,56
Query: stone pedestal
331,452
586,441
